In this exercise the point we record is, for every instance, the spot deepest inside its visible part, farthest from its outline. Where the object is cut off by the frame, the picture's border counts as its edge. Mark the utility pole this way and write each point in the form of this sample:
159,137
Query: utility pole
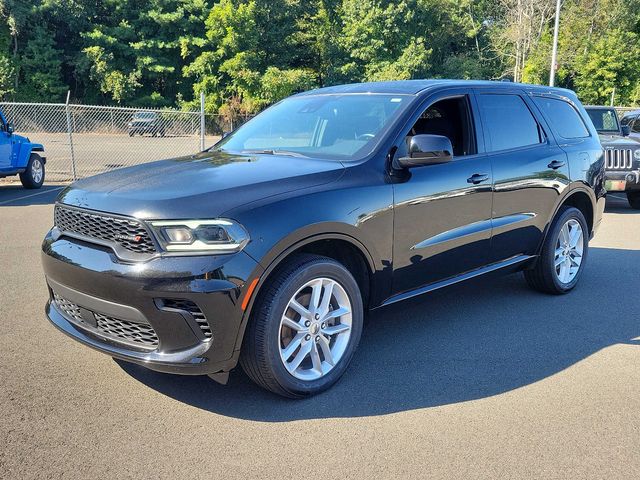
554,54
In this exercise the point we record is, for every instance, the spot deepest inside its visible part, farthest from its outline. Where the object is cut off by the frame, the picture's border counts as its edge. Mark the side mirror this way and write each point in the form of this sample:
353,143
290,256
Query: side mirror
426,150
626,130
10,128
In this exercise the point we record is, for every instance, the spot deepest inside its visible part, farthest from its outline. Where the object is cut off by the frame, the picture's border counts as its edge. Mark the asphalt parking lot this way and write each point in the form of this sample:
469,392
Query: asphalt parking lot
98,152
483,380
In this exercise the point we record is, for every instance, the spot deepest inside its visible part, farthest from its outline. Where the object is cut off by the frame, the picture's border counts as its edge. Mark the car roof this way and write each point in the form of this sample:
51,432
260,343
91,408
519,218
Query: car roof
598,107
415,87
632,112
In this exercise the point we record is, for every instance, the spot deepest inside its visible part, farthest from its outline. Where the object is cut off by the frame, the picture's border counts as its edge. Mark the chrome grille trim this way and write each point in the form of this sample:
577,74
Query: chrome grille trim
618,159
140,335
119,231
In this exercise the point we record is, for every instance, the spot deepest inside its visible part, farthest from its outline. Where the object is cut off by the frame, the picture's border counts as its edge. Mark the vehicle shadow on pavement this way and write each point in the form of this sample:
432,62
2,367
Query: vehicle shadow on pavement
467,342
17,196
618,203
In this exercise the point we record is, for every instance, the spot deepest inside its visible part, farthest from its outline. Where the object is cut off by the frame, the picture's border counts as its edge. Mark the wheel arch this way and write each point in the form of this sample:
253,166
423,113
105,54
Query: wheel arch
581,198
339,246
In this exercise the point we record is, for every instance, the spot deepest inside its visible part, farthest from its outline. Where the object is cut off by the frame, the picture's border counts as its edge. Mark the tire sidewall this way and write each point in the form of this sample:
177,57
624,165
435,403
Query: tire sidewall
325,269
27,176
634,199
565,216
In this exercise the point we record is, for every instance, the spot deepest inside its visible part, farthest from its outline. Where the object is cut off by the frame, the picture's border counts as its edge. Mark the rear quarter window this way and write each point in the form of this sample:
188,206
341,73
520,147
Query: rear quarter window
563,117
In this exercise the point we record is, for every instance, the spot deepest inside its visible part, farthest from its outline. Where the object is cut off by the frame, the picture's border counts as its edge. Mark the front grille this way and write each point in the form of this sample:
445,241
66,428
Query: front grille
70,309
129,331
139,334
128,233
193,309
618,159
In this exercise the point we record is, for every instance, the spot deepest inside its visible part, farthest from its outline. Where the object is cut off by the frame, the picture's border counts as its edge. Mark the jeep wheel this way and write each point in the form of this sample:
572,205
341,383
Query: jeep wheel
33,176
564,254
634,200
304,328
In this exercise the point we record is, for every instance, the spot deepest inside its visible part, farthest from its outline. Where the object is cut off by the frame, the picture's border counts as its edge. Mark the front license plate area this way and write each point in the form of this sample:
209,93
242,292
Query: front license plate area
615,185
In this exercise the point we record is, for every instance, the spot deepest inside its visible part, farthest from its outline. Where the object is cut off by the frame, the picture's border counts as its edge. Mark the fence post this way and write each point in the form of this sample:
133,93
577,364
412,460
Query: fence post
70,130
202,126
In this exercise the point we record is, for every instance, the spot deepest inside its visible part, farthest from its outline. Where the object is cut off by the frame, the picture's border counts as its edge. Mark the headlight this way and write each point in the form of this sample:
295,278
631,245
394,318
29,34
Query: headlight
636,154
211,236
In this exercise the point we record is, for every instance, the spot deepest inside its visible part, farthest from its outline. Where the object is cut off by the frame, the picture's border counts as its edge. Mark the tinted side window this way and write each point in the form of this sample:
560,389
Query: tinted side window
636,126
564,118
508,122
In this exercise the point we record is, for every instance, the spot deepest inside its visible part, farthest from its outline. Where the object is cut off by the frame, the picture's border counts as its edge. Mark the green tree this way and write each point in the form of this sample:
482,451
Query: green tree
41,68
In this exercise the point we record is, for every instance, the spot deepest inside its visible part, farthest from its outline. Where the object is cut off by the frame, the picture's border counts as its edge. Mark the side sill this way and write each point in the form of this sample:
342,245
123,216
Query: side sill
460,278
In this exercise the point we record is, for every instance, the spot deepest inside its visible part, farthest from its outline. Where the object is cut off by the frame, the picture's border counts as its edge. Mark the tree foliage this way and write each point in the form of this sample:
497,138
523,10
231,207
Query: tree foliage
247,54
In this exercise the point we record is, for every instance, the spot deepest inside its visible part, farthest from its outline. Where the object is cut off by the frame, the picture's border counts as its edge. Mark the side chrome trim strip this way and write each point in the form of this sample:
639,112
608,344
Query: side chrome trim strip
460,278
473,229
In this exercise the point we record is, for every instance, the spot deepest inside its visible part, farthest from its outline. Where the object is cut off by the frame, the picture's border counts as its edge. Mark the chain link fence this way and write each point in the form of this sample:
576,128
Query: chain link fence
84,140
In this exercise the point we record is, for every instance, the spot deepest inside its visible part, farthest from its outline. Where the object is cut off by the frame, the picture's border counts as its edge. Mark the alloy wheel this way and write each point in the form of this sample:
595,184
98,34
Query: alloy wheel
36,170
315,329
569,251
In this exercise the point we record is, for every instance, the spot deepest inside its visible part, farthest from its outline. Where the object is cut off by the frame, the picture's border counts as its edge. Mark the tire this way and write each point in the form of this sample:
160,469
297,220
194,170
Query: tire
634,200
545,276
131,133
33,176
267,341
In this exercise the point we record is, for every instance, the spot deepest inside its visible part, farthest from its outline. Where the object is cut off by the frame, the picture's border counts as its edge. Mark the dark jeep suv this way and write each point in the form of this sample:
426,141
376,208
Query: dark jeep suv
267,249
621,153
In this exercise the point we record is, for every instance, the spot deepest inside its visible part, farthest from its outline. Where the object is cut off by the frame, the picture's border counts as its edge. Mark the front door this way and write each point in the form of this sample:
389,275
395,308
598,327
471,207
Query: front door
443,212
5,146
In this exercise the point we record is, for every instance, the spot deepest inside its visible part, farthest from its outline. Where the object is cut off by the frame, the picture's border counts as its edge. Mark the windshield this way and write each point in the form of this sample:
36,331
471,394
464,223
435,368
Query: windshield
605,120
144,115
339,127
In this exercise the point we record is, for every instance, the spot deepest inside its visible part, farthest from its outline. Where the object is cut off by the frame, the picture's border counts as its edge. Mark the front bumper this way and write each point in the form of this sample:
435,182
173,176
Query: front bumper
630,179
133,296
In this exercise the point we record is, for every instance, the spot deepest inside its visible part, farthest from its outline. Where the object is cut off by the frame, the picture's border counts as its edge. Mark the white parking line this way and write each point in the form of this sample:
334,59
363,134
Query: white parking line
615,196
29,196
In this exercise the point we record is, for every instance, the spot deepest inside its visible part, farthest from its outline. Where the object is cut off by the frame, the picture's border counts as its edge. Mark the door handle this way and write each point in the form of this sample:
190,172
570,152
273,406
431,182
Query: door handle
556,164
477,178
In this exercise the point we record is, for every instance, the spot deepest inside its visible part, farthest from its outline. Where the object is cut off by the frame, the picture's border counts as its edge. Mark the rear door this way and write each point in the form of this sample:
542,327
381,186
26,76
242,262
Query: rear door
530,171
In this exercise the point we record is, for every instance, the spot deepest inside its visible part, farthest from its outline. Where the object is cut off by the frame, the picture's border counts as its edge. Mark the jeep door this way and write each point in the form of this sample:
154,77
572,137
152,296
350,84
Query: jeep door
530,171
442,213
6,145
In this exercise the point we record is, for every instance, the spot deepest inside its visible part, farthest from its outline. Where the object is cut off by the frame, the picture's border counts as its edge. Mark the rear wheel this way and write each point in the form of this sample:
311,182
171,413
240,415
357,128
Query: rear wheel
33,176
563,254
304,328
634,200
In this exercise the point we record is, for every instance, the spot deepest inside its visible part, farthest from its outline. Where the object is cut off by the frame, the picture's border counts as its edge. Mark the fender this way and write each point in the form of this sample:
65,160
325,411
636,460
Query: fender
282,250
572,190
24,153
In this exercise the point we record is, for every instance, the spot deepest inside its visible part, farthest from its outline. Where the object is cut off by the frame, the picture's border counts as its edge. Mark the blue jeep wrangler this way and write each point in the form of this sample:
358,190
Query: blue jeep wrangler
18,156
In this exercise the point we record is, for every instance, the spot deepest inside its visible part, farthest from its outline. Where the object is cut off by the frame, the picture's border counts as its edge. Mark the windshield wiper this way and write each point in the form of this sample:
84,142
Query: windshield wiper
287,153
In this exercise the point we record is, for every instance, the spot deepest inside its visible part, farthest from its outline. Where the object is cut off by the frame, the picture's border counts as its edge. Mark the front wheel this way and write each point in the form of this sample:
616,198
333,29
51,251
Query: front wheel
304,328
564,254
33,176
634,200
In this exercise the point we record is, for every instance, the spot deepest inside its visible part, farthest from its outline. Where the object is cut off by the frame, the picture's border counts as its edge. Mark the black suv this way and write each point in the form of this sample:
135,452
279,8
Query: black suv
268,249
621,153
146,122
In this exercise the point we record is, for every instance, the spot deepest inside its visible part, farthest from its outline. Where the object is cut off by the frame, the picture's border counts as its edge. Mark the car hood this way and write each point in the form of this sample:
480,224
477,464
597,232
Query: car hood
199,186
609,140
